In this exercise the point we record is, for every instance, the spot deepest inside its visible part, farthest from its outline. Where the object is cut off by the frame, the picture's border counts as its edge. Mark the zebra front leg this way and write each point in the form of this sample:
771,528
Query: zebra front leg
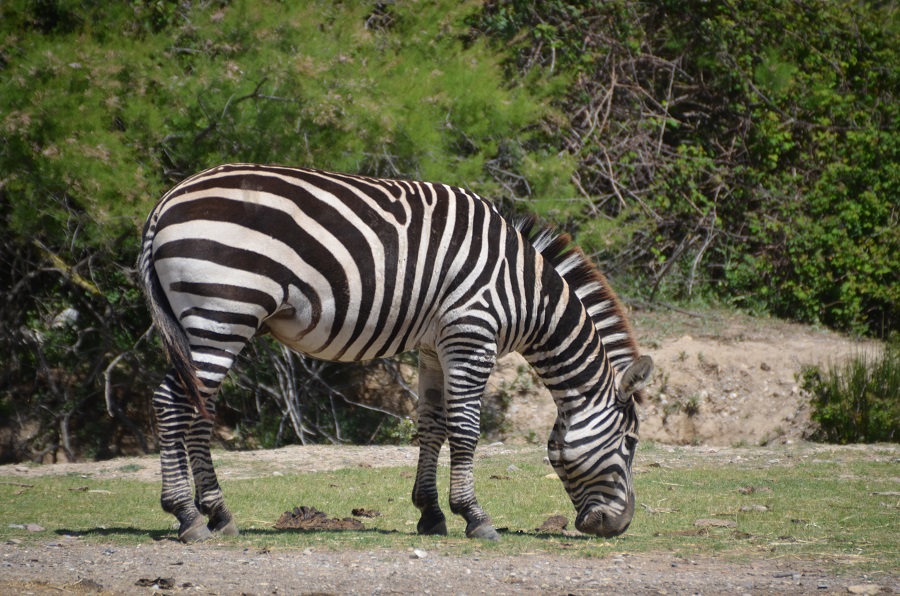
208,498
464,390
432,431
462,488
174,416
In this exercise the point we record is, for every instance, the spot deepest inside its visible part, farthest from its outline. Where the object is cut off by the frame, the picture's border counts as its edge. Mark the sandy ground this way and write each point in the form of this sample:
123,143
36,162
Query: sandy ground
721,383
719,380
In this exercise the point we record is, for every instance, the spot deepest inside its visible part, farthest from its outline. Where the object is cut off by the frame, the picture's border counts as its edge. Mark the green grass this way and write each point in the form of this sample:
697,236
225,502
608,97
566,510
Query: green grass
820,503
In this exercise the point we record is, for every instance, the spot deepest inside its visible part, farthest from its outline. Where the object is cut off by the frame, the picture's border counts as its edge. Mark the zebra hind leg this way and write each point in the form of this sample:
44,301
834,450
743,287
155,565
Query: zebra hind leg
174,416
432,433
208,499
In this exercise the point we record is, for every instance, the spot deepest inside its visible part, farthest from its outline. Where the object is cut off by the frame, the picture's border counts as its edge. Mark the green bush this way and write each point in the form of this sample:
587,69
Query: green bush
752,146
103,106
859,401
745,152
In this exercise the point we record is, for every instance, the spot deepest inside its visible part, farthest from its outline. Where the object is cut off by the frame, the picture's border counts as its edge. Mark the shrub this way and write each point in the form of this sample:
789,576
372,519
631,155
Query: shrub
859,401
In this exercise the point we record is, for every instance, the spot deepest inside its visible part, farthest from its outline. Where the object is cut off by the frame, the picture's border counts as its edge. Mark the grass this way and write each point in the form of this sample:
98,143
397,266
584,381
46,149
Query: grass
836,505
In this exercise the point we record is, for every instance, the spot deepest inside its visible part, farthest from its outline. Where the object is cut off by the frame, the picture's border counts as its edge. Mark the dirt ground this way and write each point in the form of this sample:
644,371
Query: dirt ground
66,565
209,569
719,380
721,383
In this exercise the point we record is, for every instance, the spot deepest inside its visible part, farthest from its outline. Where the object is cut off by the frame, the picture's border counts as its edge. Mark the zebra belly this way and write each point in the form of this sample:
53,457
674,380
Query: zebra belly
312,328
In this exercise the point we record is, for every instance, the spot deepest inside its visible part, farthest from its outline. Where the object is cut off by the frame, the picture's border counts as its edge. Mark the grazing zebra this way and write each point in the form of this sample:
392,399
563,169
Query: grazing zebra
348,268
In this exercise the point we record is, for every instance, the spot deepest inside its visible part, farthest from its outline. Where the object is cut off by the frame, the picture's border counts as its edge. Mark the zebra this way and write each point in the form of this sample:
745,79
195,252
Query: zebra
345,267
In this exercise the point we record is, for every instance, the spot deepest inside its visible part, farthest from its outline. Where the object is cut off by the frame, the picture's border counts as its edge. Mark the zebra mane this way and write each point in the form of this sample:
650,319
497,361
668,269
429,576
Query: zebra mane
592,288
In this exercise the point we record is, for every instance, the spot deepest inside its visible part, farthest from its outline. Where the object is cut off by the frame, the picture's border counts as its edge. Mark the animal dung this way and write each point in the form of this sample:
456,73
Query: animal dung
310,518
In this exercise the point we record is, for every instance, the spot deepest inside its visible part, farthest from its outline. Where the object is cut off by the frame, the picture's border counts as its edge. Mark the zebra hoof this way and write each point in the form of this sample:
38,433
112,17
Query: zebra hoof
429,527
439,529
225,528
196,533
485,532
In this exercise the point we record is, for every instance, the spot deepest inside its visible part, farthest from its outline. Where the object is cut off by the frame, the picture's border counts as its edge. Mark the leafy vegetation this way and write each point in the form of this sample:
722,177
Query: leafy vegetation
741,153
858,401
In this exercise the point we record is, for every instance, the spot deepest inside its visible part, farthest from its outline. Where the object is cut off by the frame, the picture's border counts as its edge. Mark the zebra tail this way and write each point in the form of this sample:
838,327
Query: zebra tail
174,339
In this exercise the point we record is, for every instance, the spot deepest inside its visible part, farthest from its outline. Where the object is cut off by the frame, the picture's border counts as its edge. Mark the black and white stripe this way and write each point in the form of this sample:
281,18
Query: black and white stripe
349,268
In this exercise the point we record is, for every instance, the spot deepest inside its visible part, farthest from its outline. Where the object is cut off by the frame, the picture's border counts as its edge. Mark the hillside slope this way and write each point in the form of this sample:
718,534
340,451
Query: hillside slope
720,380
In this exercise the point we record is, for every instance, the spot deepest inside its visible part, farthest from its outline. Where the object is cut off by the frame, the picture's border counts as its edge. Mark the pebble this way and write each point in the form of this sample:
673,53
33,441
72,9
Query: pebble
418,554
868,589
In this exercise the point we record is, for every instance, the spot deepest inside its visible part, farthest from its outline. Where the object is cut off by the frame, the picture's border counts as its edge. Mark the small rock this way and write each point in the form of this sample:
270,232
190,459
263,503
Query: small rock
160,583
715,523
554,523
418,554
765,367
757,508
869,589
89,585
34,528
512,468
749,490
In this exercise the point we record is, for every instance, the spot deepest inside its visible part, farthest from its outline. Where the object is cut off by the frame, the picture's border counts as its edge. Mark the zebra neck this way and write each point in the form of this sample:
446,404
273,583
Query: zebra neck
571,361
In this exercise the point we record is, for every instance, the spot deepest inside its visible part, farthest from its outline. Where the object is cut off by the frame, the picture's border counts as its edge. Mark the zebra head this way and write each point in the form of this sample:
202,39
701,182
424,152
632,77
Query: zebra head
592,449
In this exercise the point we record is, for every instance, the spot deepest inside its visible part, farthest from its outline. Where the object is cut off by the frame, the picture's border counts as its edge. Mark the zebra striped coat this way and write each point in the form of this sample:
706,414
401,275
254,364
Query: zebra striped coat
348,268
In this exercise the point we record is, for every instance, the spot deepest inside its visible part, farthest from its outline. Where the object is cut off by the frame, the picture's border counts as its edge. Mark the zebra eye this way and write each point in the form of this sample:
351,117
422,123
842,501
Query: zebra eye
631,441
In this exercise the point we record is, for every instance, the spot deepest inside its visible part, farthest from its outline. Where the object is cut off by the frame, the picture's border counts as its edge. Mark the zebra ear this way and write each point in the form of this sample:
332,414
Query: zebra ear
635,376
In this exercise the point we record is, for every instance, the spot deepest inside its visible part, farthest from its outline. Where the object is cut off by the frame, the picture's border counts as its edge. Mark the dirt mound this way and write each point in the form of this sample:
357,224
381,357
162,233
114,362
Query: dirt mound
719,380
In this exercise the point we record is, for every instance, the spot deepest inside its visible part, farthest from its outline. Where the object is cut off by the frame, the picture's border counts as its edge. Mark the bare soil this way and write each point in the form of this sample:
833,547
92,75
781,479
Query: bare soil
721,383
209,569
719,380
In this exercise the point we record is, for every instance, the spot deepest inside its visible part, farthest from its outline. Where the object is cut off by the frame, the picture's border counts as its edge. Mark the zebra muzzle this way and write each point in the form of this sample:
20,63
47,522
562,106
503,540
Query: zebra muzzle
604,524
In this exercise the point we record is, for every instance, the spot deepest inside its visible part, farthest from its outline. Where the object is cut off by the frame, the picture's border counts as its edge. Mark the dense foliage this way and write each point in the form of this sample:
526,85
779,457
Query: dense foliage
745,152
858,401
